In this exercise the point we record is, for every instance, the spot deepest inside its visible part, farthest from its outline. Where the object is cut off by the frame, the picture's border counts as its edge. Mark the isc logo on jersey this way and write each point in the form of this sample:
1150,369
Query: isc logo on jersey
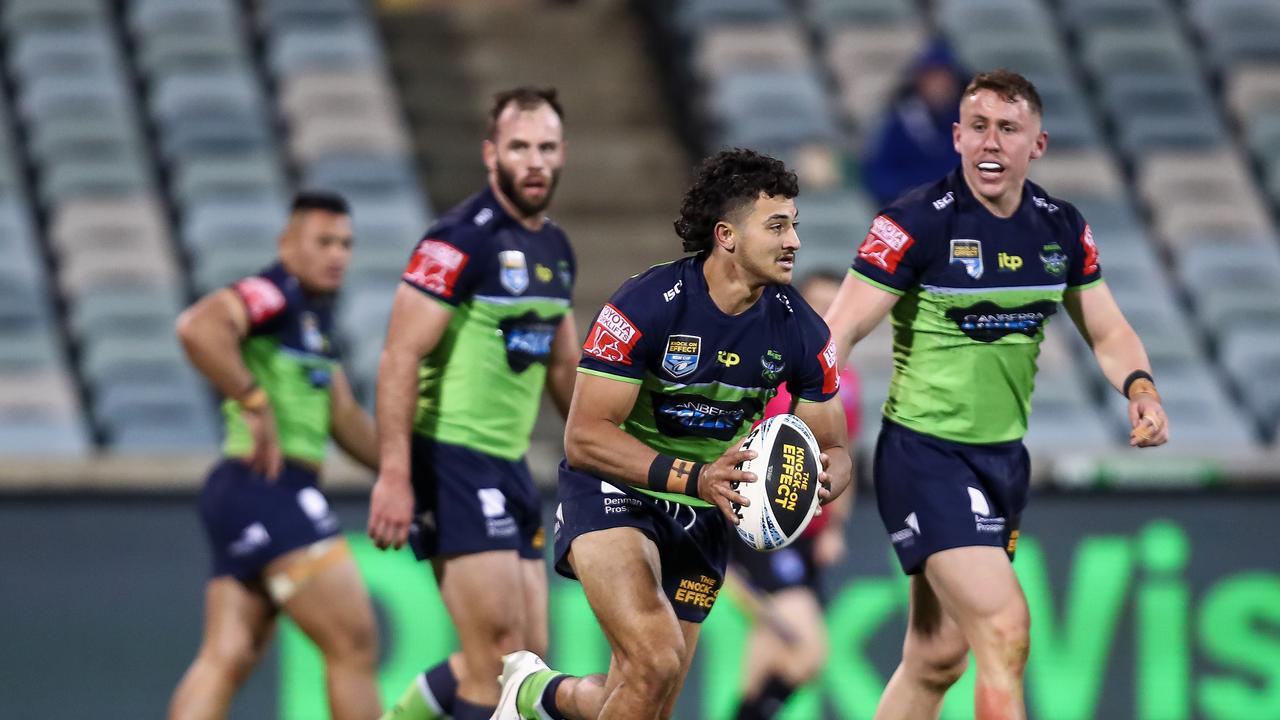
613,336
885,245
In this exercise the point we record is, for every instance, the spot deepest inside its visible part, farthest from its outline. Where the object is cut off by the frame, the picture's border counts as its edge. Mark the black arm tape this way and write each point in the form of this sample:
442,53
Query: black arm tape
666,472
659,469
1135,376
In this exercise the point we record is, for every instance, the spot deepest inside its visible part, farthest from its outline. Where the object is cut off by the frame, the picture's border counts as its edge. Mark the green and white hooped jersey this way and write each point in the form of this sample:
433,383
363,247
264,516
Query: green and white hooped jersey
291,356
508,289
976,292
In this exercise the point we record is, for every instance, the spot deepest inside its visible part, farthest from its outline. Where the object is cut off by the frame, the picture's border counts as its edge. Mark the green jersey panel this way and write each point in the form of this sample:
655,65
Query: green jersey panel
471,392
301,409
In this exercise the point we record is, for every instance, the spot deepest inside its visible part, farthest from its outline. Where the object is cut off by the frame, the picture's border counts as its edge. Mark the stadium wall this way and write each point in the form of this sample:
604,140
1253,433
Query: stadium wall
1145,606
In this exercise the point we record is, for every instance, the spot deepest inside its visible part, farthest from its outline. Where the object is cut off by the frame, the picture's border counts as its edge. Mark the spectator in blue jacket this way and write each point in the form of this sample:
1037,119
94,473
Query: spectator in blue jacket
913,144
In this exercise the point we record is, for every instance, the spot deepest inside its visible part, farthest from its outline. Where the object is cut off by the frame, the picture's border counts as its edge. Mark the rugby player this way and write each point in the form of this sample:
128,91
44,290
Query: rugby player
782,590
265,344
480,323
676,368
972,268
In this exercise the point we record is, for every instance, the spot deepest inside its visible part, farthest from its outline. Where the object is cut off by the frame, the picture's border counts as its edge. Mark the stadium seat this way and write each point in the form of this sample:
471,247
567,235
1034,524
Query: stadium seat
27,15
1087,16
182,93
155,421
217,132
343,47
280,14
694,15
827,14
235,176
724,49
149,18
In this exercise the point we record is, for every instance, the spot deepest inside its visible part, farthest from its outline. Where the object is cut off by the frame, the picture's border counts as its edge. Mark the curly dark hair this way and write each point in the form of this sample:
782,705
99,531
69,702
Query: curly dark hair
726,182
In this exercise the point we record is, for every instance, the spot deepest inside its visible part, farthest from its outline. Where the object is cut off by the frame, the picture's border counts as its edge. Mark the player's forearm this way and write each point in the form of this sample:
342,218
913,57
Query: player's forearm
560,379
356,434
840,472
397,393
602,448
1119,353
214,349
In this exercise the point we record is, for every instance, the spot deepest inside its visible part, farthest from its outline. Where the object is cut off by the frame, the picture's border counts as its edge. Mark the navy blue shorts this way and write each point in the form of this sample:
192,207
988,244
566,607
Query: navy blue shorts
693,542
936,494
769,572
467,502
251,521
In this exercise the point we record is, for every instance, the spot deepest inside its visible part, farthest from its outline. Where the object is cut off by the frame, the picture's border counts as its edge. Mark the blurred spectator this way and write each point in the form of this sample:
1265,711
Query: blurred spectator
913,144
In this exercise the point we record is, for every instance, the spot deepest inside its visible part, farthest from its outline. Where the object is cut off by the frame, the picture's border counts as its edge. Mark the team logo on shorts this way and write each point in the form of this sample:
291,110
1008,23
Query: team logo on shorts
682,353
969,254
513,272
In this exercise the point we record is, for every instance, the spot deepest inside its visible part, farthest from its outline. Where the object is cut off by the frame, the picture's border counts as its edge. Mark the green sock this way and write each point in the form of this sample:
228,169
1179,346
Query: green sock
411,706
529,695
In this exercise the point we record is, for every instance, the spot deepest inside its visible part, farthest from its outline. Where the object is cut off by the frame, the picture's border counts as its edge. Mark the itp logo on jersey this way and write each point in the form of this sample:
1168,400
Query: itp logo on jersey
612,337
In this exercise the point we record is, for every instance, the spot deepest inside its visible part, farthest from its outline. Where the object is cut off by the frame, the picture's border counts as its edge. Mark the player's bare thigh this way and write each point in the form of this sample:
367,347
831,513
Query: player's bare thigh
320,587
620,572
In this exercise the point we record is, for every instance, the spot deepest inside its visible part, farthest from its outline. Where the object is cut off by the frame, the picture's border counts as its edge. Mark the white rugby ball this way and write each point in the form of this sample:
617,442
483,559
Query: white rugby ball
784,497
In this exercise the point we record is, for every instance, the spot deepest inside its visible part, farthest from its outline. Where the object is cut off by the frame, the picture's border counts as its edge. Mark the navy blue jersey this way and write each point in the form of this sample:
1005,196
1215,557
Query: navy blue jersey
508,288
976,292
705,376
292,356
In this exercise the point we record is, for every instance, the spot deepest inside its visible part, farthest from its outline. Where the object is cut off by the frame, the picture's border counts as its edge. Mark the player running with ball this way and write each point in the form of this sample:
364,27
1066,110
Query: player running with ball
972,267
675,370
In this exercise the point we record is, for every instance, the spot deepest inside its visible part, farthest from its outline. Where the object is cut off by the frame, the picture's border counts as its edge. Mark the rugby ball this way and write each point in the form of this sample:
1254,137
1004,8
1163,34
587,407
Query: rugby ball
784,497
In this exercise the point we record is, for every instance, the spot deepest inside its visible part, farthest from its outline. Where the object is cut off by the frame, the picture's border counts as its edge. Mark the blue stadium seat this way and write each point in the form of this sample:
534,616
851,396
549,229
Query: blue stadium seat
27,15
340,47
827,14
693,16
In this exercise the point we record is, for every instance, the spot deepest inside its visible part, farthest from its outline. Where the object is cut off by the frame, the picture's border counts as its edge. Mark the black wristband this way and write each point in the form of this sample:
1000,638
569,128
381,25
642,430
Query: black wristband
665,468
691,486
659,469
1135,376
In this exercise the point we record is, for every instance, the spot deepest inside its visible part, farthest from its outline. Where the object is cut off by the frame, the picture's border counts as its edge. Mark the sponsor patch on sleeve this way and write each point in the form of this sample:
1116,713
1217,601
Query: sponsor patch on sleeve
1090,251
261,298
612,337
830,368
885,244
435,267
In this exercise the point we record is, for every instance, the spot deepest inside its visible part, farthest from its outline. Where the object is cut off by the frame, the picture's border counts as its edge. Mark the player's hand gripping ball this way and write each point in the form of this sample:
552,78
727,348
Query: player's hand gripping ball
784,498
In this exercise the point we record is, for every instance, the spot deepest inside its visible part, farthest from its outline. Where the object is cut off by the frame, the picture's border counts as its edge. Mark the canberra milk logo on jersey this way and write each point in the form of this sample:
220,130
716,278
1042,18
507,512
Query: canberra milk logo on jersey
513,272
969,254
682,354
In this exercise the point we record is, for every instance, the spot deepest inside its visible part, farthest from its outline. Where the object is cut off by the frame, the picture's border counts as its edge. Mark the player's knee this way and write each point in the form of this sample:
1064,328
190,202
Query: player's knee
811,659
656,673
937,663
360,645
652,661
1010,632
232,658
